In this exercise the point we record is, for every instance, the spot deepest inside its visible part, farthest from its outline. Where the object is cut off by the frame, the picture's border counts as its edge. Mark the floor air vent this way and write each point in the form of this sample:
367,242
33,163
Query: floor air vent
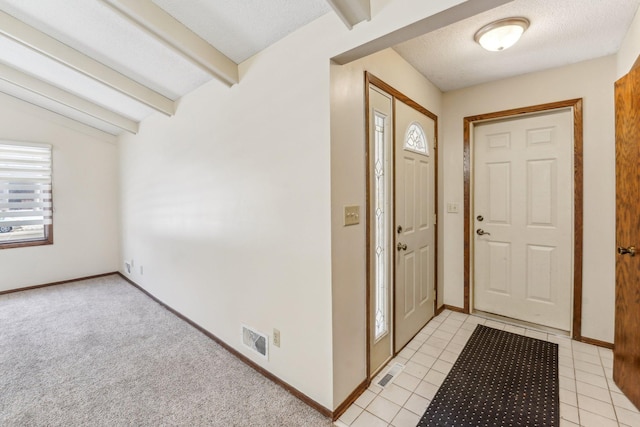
390,375
255,341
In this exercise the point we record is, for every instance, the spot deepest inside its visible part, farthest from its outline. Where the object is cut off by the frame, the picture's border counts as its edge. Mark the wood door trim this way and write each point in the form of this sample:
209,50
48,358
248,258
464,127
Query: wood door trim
576,105
453,308
380,84
371,79
598,343
367,229
635,65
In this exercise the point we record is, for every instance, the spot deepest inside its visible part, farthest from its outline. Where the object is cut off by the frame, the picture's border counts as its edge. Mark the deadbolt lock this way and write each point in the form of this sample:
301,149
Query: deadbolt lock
480,218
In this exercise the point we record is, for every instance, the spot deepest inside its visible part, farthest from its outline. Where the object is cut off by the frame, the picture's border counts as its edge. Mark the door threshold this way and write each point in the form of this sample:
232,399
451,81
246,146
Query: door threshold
522,323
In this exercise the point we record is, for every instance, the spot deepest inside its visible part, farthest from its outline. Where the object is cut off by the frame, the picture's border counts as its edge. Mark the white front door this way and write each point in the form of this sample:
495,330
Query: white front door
414,221
523,218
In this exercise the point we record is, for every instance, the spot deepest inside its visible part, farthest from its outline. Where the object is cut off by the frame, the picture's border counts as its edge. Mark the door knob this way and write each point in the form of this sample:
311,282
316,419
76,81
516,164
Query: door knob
402,246
481,232
631,250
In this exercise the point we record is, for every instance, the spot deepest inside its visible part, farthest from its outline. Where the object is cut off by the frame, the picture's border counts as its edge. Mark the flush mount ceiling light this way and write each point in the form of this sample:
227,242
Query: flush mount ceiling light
501,34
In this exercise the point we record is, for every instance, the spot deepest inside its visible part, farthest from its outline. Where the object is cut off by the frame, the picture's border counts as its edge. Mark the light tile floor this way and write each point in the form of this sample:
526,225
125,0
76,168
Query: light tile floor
588,395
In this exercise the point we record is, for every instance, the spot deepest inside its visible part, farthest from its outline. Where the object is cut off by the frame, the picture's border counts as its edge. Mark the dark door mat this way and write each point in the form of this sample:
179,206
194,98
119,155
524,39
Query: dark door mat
499,379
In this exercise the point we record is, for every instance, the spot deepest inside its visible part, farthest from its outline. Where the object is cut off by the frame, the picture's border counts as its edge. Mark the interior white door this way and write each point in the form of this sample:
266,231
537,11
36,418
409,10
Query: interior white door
523,217
414,221
380,111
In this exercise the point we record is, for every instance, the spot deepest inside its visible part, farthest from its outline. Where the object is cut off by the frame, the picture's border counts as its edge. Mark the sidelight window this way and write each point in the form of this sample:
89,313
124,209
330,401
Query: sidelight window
382,226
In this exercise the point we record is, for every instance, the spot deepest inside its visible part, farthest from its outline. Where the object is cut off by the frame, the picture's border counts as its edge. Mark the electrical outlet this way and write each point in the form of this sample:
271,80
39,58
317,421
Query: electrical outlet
276,337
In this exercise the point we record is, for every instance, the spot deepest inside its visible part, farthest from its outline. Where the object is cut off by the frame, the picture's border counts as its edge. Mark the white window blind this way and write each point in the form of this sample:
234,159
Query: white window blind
25,184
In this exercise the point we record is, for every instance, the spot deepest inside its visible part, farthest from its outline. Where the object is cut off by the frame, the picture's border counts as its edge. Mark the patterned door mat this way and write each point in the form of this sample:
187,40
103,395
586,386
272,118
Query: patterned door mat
499,379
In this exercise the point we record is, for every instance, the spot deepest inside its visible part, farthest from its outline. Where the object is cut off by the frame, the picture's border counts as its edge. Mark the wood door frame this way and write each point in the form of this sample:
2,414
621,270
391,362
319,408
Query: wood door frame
576,106
370,79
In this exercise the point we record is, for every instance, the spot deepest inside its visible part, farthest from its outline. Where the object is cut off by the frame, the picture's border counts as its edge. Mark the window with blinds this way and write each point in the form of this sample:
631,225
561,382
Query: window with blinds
25,194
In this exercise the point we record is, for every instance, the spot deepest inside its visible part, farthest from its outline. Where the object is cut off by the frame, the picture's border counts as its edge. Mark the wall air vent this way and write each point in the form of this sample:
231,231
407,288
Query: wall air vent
255,341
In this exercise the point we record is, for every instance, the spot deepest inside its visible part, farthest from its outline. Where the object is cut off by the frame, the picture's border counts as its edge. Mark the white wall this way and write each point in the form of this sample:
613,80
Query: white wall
348,183
630,48
85,185
226,205
592,81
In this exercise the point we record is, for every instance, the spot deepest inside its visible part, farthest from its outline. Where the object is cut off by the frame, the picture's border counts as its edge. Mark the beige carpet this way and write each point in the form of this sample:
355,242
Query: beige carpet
101,353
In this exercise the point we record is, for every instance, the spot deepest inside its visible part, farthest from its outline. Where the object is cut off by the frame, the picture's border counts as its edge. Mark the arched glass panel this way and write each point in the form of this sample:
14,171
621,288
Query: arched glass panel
416,140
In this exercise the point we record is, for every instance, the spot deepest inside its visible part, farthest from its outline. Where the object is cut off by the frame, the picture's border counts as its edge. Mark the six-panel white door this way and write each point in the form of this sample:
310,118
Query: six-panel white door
414,221
523,203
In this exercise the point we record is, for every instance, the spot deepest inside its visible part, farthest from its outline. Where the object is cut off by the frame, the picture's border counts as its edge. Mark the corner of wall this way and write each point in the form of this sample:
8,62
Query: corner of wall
84,194
630,48
348,187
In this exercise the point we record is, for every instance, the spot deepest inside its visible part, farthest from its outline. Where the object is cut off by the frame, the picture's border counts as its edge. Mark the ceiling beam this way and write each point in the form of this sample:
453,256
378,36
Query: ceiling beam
352,12
431,23
63,97
39,42
176,36
11,102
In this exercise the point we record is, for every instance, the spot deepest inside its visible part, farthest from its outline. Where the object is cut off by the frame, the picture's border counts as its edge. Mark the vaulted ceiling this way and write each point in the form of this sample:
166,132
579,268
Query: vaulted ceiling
111,63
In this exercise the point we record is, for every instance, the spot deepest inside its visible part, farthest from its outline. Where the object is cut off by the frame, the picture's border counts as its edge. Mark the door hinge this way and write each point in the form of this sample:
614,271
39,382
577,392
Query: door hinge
435,219
435,294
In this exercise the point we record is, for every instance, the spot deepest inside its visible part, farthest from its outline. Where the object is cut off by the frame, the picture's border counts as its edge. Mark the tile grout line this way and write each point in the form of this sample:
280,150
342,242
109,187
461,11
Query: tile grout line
575,383
457,331
608,388
615,409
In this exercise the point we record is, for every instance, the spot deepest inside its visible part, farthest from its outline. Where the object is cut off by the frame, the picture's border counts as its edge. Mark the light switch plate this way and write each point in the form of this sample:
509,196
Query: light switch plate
452,207
351,215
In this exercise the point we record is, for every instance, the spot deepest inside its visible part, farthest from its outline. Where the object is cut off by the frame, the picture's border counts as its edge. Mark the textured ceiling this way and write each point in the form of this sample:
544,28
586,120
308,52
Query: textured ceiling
26,60
561,32
52,105
240,29
114,38
95,29
110,66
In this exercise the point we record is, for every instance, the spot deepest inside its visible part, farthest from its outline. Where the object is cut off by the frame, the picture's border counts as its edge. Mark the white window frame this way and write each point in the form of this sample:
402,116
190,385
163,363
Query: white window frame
26,196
